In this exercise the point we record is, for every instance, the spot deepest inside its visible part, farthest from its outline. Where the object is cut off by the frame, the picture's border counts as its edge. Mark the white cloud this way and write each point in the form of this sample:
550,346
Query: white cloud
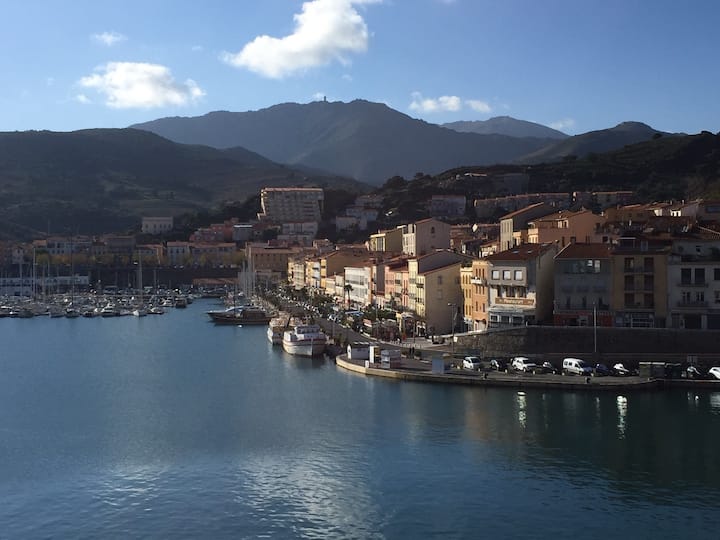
108,38
197,48
128,85
478,105
446,104
325,31
432,105
82,98
50,81
318,96
347,77
565,123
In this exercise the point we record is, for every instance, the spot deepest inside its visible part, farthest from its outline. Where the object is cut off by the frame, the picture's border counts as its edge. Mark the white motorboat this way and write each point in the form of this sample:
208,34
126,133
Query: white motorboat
304,340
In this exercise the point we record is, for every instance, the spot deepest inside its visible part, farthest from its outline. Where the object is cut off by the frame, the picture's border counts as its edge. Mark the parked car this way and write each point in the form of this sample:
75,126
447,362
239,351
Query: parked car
694,373
498,364
714,372
575,366
521,363
471,362
601,370
546,367
619,370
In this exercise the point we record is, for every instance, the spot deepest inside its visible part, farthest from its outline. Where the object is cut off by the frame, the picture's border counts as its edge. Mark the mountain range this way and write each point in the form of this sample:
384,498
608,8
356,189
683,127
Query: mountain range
372,142
506,125
103,180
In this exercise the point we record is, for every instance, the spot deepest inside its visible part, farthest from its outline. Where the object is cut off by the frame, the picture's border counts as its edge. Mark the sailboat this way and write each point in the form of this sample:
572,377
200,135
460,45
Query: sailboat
140,310
70,311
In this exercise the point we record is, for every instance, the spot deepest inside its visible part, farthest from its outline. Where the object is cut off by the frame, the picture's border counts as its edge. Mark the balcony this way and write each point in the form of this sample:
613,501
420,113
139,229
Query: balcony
692,304
639,269
633,306
692,284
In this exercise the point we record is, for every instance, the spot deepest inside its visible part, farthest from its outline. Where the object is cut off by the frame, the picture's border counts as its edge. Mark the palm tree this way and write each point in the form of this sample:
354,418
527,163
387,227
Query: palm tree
348,288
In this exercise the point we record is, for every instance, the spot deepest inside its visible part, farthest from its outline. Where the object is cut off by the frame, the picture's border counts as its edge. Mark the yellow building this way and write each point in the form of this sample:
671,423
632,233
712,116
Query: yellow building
565,227
389,240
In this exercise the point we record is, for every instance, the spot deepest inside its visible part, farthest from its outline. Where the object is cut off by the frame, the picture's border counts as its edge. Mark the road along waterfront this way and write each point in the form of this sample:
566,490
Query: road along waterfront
172,426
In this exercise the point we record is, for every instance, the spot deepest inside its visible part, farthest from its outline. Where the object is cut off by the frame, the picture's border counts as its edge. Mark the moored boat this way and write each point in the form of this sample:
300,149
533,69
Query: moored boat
240,315
304,340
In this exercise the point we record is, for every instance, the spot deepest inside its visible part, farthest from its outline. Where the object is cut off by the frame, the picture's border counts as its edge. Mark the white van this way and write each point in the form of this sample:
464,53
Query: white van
575,366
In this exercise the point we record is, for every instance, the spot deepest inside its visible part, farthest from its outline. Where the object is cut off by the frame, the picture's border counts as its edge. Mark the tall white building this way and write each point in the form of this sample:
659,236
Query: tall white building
294,204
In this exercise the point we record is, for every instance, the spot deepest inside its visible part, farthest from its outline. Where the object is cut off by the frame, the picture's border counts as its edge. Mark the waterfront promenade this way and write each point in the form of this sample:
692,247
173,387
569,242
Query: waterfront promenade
420,371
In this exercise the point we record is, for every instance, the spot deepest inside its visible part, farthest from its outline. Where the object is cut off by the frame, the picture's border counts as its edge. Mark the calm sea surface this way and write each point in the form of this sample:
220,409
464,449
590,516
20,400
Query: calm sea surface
171,427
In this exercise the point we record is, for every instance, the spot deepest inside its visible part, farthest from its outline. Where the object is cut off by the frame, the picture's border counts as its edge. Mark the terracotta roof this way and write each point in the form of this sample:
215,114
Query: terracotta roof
562,214
521,210
524,252
578,250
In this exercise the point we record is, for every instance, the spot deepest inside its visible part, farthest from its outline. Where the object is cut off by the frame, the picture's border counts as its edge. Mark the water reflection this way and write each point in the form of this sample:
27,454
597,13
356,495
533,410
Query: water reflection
622,406
714,398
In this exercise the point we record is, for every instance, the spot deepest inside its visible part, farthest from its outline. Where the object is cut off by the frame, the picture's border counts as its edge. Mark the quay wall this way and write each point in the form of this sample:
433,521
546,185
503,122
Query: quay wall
564,383
631,345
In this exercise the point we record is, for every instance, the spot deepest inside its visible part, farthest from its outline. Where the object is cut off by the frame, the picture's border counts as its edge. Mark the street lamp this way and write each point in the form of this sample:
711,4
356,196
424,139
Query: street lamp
452,327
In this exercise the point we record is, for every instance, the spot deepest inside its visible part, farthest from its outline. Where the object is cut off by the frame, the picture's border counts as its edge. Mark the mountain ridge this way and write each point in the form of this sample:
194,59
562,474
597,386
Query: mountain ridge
361,139
506,125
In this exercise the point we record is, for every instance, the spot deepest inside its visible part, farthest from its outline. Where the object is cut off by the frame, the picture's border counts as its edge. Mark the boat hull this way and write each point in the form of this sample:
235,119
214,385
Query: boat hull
316,348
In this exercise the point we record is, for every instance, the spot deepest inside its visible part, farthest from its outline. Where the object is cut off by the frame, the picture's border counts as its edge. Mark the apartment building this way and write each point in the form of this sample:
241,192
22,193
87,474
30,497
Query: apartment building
521,285
390,240
439,300
640,284
693,276
291,204
513,226
479,293
583,285
425,236
156,225
565,227
397,284
270,259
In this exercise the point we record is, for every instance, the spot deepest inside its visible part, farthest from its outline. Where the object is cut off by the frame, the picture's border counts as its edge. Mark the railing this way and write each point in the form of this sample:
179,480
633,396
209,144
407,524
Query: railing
693,284
692,304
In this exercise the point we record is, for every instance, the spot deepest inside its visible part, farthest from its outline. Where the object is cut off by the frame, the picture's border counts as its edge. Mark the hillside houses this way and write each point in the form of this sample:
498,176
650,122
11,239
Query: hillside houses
632,265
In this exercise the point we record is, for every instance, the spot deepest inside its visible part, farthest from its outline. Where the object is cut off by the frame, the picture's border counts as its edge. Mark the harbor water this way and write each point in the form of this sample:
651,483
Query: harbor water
173,427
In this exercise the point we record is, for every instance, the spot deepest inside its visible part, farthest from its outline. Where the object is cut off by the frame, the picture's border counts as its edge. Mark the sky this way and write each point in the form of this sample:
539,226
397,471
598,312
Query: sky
575,65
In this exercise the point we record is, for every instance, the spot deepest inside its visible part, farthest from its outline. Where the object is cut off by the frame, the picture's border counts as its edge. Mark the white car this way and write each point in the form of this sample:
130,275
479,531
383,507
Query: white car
471,362
714,372
521,363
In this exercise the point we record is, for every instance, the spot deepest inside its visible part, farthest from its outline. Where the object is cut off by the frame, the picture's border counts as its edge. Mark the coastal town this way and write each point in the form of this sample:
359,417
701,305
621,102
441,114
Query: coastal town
550,262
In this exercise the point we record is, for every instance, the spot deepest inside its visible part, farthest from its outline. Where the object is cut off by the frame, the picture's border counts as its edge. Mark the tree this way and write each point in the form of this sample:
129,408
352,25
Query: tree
347,289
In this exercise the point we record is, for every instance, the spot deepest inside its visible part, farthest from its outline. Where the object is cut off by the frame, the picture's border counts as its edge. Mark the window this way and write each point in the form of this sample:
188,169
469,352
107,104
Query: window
717,297
685,297
495,274
439,280
699,276
685,276
700,296
507,274
716,274
518,275
629,264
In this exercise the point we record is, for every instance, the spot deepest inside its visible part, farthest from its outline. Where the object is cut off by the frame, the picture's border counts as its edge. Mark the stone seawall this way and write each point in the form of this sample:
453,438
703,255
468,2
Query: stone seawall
632,345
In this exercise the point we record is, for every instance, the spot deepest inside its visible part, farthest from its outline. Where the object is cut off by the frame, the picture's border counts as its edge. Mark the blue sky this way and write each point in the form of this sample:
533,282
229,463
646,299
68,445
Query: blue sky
577,65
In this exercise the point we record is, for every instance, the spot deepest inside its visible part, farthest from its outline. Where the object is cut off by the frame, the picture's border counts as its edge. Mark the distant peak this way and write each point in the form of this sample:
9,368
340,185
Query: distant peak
631,124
